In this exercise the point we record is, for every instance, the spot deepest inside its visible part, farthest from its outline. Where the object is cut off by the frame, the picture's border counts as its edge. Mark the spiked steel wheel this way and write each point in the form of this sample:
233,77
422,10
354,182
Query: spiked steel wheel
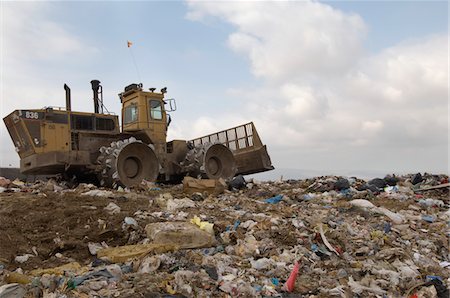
126,163
211,161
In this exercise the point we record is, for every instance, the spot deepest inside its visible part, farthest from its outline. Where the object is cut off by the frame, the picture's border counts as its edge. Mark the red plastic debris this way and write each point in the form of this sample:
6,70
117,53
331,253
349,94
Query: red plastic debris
290,283
339,250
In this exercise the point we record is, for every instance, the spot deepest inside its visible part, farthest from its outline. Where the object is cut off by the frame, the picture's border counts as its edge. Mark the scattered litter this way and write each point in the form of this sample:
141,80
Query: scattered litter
16,277
211,186
274,200
325,240
99,193
124,253
175,204
4,182
381,238
362,203
290,283
149,264
23,258
95,247
129,221
73,267
203,225
112,209
13,290
181,234
440,186
428,218
237,182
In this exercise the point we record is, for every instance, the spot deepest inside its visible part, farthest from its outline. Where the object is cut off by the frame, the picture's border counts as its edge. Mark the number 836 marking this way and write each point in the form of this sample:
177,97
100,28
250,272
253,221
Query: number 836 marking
31,115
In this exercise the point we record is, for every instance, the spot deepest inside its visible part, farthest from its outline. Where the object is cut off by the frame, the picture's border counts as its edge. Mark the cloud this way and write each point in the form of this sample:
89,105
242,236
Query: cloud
320,92
304,102
281,39
372,126
29,37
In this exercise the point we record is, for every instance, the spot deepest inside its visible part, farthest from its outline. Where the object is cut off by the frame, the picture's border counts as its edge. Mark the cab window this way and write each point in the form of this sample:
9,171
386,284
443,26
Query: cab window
155,109
131,114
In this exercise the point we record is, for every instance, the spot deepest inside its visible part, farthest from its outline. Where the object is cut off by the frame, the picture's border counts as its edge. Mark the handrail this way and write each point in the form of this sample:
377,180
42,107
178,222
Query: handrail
64,109
236,138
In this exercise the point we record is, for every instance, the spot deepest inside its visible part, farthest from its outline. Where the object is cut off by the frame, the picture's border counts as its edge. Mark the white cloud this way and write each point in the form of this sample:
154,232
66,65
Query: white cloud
282,39
321,93
29,37
303,102
372,126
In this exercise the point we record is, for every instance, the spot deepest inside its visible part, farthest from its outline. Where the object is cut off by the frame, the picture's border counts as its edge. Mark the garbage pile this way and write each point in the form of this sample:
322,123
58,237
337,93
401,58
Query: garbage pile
320,237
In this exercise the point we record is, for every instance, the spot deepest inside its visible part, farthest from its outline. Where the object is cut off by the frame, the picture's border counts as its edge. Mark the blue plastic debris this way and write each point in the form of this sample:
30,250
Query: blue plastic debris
387,227
219,249
274,200
320,249
391,189
433,277
347,192
428,218
236,224
308,196
78,280
126,269
275,281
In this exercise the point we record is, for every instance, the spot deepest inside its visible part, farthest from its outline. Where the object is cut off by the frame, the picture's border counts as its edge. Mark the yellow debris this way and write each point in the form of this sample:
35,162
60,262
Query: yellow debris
203,225
72,267
14,277
124,253
376,234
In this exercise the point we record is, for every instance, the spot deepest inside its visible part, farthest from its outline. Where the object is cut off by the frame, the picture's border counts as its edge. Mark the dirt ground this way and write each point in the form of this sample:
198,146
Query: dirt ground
58,224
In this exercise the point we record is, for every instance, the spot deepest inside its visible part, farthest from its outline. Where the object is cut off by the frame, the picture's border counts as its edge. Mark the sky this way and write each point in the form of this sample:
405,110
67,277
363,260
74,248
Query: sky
333,87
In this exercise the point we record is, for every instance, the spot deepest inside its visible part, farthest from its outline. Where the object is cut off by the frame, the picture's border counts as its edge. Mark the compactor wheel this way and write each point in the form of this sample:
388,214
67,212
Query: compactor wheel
211,161
126,163
219,162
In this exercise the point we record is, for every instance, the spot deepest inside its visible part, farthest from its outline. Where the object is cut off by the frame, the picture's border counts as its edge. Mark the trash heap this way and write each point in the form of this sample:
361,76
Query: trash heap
320,237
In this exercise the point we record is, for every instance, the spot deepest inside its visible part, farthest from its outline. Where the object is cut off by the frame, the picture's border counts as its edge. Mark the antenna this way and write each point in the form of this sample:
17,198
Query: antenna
129,44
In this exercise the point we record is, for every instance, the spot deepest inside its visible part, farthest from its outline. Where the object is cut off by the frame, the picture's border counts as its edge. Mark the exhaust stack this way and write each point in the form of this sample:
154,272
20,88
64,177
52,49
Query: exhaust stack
96,88
68,98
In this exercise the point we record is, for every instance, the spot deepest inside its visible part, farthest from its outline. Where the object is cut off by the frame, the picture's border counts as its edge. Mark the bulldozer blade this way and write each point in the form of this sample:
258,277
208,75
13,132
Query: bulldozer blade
254,161
249,153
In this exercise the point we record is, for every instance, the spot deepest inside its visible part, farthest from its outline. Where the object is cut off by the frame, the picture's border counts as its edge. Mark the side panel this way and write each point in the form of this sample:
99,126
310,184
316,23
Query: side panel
56,137
19,133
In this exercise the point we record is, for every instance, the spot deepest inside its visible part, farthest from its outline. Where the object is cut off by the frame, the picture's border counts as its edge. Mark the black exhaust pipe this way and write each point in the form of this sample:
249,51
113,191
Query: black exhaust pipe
95,88
68,105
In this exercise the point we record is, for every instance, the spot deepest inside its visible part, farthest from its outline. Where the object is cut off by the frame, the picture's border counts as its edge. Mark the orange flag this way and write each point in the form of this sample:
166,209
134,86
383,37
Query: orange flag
129,43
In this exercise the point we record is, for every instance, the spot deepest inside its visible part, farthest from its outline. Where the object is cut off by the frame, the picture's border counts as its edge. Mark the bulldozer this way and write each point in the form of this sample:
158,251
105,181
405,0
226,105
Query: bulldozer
59,141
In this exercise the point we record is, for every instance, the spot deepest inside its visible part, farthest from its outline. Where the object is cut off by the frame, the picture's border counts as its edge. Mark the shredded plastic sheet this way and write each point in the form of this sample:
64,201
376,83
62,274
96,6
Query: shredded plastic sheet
325,240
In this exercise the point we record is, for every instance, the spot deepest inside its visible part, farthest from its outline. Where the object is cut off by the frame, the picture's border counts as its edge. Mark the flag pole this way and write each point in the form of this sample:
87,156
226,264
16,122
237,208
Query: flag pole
129,44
